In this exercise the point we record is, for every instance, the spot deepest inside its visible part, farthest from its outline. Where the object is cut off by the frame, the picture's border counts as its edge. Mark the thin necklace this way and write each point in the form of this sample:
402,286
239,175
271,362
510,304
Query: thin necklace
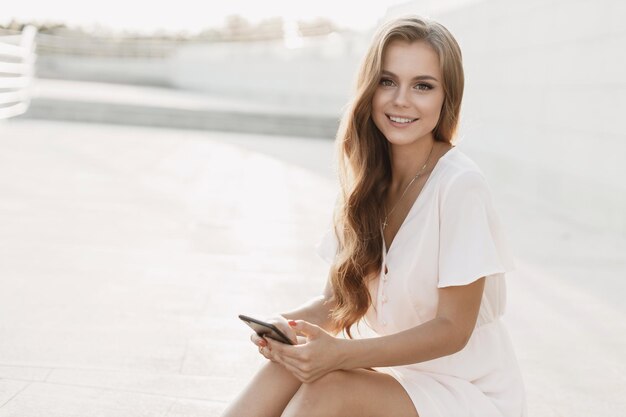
407,187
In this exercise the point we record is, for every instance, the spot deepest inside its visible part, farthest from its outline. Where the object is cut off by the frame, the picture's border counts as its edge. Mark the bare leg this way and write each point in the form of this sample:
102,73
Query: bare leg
356,392
266,395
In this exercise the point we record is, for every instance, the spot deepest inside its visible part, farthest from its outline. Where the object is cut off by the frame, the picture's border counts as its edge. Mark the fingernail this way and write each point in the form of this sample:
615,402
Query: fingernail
292,323
262,343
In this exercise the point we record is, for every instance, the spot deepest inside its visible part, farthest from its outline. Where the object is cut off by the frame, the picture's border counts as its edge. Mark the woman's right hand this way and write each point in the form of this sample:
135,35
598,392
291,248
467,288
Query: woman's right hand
283,325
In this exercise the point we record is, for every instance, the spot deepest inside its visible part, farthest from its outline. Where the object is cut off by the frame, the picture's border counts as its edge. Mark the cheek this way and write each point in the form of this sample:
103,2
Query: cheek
432,109
377,107
433,105
377,102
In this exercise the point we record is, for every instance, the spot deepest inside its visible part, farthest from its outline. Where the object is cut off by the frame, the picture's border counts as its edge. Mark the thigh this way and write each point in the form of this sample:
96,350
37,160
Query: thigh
356,392
266,395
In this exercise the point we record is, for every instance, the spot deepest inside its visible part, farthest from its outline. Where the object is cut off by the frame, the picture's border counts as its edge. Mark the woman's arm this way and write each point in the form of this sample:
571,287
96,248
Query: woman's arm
444,335
315,311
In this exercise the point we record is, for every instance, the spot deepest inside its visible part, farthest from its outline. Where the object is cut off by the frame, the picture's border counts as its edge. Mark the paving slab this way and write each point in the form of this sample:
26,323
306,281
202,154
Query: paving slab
23,373
54,400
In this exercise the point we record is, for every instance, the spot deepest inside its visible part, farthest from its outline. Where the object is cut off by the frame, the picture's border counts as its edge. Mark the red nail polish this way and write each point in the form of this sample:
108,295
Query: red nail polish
292,323
262,343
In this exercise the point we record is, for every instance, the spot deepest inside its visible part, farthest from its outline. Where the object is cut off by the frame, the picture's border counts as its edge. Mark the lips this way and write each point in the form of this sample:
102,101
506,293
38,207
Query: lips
400,120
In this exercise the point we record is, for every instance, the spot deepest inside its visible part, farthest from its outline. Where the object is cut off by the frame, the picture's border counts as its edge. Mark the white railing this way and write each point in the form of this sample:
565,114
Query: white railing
17,62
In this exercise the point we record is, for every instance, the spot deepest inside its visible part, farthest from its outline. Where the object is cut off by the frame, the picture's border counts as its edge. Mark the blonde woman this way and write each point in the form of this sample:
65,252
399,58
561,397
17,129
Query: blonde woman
416,253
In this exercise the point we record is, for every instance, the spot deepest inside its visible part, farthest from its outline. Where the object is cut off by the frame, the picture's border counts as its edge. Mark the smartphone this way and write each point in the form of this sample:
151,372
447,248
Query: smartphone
266,329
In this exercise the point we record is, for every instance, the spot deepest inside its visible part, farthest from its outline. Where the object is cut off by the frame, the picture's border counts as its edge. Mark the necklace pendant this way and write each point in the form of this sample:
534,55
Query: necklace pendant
407,187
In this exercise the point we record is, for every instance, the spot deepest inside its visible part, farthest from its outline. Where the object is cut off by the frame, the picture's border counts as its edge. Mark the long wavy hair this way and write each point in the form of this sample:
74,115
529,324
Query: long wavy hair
365,168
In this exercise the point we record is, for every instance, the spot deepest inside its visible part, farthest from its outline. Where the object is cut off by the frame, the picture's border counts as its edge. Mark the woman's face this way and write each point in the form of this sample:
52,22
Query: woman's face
407,103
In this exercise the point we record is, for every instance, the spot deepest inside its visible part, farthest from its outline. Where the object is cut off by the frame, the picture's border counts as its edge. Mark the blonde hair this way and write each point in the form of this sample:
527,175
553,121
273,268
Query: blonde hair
365,167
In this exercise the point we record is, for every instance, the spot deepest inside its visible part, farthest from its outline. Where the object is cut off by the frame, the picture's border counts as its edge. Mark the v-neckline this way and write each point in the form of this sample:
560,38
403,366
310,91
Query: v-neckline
413,205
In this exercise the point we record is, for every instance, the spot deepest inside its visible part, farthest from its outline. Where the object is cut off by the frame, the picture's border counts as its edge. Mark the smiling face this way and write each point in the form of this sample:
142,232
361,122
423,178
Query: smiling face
408,100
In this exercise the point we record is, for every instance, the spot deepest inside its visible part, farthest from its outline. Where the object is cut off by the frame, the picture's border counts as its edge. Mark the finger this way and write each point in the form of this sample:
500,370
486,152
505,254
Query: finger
306,328
274,346
278,351
298,352
294,371
284,326
266,353
296,365
308,378
272,355
293,352
257,340
283,350
291,332
302,367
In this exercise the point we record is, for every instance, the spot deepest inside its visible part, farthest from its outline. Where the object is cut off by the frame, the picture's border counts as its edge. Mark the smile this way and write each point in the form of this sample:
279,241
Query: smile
400,120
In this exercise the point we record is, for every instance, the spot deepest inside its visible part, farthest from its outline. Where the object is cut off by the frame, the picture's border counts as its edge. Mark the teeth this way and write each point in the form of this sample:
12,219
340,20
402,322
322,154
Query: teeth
401,119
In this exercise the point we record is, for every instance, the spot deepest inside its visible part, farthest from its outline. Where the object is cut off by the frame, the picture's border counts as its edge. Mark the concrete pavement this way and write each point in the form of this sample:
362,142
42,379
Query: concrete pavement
127,252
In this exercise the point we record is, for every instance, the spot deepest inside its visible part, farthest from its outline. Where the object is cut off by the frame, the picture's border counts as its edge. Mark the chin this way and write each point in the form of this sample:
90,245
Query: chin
406,138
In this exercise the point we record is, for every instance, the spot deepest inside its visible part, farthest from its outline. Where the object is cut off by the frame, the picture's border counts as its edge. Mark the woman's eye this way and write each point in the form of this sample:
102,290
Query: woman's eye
424,87
386,82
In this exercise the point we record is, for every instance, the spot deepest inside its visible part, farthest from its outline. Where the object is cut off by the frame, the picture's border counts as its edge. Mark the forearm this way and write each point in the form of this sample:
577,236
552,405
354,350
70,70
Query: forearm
316,311
431,340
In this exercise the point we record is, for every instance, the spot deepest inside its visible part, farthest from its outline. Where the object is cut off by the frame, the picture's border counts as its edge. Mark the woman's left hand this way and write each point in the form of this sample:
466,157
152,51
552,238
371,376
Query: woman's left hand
319,355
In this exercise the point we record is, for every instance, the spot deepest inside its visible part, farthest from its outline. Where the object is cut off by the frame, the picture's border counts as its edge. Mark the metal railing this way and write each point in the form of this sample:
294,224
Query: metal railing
17,62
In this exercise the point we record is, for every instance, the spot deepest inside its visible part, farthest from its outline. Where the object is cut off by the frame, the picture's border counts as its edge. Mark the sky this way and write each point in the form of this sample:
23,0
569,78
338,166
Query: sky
190,15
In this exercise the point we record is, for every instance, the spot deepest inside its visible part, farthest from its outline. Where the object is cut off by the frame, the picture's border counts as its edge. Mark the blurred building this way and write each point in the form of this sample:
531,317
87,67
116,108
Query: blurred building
544,96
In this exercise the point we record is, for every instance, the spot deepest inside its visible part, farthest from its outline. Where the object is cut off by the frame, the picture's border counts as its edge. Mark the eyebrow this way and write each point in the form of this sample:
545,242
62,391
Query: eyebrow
418,78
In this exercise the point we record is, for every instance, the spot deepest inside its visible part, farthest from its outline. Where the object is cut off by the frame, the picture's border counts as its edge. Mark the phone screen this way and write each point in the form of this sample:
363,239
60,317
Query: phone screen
265,329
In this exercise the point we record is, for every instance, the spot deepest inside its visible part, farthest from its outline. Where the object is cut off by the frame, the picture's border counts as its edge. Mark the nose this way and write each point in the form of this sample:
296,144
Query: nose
401,97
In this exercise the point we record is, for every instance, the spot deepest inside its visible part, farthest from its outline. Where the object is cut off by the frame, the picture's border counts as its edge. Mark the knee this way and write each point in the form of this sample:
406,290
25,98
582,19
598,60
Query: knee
325,387
318,398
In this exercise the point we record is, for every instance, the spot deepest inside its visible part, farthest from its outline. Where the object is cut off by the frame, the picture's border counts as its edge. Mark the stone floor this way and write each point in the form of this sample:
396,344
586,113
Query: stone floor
126,254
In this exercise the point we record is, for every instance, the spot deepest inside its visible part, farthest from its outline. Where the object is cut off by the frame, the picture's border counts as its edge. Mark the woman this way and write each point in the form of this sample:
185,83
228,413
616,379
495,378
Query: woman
417,256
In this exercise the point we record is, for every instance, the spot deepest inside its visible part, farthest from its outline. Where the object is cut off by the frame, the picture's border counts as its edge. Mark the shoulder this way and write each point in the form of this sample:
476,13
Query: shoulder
461,174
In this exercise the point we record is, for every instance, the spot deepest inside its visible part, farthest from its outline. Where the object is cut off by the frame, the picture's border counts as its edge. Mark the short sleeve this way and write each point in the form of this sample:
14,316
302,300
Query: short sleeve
326,247
471,239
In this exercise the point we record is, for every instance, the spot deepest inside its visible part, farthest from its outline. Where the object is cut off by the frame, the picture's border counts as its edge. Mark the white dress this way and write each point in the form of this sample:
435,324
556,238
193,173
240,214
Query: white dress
451,236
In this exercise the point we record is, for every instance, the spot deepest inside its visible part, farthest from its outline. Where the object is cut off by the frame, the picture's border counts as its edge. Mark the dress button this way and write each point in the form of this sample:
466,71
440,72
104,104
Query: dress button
384,322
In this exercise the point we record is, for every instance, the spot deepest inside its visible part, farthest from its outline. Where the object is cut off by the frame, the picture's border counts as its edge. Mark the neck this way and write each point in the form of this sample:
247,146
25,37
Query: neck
407,160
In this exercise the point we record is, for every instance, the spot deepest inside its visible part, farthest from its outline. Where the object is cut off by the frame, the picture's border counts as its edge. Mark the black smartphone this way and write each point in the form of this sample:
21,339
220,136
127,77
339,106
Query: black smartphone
265,329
